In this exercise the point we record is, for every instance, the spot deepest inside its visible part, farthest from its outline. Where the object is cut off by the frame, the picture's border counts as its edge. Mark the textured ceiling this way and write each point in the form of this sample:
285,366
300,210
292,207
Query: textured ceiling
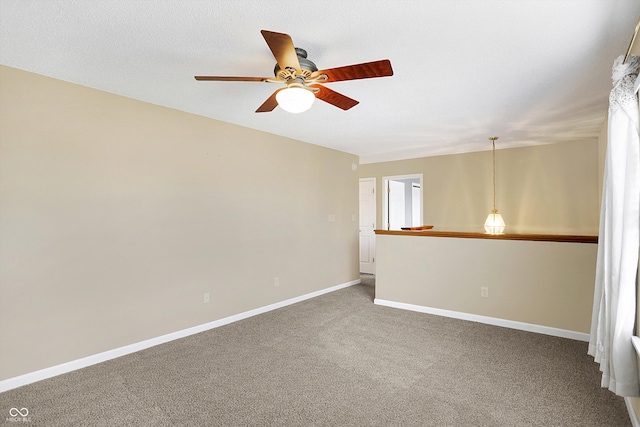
529,71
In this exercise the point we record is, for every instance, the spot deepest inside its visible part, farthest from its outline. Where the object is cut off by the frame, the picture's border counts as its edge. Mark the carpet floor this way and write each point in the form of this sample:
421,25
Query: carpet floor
335,360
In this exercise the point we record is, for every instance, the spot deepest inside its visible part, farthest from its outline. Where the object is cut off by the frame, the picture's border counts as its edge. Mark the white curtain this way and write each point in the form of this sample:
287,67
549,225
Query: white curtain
614,306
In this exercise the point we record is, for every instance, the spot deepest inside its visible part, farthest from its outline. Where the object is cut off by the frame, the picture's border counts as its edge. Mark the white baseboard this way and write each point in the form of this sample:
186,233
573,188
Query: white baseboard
563,333
635,422
63,368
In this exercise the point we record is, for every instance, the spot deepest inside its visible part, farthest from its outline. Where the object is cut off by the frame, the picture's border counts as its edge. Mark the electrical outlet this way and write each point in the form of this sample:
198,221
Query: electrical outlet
206,297
484,292
332,218
276,282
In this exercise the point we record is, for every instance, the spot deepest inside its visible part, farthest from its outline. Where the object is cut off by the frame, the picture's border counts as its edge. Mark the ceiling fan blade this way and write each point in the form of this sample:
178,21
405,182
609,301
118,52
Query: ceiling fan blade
366,70
335,98
270,104
282,48
232,79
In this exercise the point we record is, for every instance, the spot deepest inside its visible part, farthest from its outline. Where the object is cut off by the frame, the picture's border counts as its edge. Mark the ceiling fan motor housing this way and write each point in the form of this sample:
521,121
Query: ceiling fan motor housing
306,66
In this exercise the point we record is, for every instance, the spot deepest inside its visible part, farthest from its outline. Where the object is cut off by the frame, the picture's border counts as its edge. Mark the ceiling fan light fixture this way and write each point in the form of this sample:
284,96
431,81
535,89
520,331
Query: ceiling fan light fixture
304,81
295,98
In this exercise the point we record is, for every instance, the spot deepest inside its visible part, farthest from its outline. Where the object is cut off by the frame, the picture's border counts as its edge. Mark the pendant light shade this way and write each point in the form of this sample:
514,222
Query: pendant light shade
494,223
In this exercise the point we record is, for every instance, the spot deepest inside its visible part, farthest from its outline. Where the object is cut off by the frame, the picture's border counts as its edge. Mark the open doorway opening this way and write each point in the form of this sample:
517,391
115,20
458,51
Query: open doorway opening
402,201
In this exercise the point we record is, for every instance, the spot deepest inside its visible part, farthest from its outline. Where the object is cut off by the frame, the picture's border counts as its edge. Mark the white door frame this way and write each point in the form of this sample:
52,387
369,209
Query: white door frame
385,195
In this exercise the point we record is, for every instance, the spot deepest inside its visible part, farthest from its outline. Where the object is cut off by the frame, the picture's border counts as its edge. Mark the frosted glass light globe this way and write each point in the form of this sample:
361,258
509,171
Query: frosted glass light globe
295,99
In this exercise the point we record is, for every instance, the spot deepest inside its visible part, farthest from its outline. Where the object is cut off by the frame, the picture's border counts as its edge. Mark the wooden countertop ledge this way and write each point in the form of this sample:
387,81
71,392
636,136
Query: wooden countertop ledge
473,235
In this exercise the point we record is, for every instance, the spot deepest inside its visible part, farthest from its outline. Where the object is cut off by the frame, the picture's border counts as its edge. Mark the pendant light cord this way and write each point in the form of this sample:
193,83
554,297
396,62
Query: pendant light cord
493,142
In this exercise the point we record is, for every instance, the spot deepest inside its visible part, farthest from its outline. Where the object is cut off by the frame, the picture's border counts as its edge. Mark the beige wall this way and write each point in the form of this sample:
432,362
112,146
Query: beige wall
550,189
540,283
117,216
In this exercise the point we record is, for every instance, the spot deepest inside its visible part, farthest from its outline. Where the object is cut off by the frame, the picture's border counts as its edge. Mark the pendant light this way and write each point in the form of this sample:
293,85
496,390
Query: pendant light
494,223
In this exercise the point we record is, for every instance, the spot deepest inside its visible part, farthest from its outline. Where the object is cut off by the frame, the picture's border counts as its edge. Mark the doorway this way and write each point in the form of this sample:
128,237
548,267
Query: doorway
367,225
402,201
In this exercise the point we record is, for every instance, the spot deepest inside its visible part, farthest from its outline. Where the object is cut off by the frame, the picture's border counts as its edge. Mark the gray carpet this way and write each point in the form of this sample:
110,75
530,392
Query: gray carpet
335,360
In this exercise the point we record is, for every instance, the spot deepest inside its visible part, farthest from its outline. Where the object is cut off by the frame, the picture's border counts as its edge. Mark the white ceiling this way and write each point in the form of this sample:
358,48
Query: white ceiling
528,71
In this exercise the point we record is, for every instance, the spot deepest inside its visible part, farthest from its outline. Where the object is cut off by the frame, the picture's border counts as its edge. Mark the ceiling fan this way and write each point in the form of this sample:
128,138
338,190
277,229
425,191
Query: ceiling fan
303,80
